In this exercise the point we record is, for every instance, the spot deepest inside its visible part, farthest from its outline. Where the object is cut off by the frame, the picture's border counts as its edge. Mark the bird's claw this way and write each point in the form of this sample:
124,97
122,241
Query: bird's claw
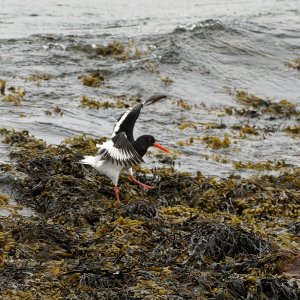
147,187
144,186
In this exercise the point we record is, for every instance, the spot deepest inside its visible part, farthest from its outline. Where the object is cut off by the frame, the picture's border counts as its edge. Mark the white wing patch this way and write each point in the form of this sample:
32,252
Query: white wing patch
124,155
127,121
118,124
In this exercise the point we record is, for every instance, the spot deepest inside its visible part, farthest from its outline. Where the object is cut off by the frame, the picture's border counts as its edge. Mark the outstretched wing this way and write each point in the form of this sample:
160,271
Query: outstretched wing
127,121
119,151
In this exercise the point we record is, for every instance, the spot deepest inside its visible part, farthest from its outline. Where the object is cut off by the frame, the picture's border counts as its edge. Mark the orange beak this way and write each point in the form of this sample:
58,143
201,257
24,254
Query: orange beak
157,145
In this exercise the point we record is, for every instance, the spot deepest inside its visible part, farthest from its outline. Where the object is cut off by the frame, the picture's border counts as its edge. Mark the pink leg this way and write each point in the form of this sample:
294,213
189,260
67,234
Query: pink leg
117,193
144,186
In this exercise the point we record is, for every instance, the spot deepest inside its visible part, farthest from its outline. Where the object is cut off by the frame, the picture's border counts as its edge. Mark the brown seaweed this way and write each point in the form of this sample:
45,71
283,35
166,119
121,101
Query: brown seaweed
192,237
3,85
15,96
94,79
283,107
294,64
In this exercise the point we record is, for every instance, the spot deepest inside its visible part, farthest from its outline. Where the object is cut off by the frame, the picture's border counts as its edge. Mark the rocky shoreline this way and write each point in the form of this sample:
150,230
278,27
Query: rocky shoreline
192,237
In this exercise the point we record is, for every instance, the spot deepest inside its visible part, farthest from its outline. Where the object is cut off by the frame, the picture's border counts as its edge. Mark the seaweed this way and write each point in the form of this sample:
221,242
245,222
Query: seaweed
293,130
250,99
120,51
39,77
112,49
94,104
260,166
166,80
3,85
214,125
116,49
185,125
94,79
278,288
217,157
216,143
182,103
191,237
14,97
294,64
249,130
218,241
141,209
283,107
188,142
56,110
245,112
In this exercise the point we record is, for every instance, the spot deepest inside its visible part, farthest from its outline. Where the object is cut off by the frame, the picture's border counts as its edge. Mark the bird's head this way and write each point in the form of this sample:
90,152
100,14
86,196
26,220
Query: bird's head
142,144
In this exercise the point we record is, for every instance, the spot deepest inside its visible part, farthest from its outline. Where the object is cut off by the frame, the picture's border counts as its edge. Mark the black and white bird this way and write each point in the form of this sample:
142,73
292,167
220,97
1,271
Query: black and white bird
122,152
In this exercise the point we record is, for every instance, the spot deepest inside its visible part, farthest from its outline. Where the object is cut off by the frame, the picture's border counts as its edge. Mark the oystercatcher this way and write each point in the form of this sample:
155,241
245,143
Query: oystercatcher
122,152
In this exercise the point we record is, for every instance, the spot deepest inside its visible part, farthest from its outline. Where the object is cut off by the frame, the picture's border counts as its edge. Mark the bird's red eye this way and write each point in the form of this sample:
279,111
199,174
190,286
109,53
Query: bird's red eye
149,139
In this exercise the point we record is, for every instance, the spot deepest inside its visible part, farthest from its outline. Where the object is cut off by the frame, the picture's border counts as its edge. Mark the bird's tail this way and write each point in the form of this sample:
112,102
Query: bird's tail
88,160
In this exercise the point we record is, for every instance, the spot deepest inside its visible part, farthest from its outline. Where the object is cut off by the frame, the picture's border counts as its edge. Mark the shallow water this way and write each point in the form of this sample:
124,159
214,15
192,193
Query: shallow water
205,47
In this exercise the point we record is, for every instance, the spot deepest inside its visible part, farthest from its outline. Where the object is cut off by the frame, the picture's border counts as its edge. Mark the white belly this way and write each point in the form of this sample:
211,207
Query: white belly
110,170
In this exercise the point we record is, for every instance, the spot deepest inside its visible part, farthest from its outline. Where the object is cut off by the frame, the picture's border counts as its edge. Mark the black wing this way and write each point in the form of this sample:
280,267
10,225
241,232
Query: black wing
119,151
127,121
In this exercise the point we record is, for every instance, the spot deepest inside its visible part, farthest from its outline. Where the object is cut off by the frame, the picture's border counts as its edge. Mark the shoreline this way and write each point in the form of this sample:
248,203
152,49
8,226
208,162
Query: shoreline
192,236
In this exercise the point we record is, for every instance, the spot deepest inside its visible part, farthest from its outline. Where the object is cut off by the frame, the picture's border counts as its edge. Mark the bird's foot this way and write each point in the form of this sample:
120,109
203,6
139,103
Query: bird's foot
147,187
117,193
144,186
